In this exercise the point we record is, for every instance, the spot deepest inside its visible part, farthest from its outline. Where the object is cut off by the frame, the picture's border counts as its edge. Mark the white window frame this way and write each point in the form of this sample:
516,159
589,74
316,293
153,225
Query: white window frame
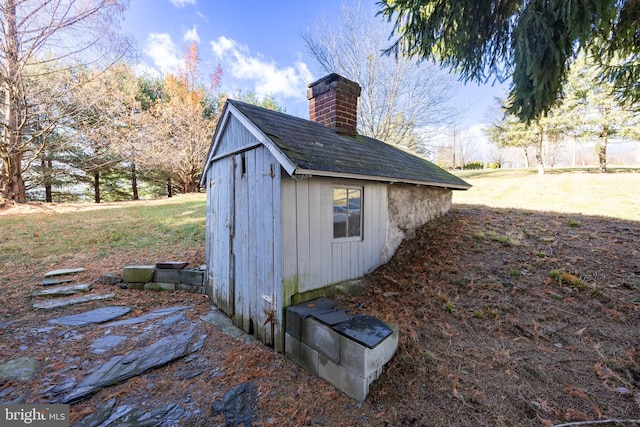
360,236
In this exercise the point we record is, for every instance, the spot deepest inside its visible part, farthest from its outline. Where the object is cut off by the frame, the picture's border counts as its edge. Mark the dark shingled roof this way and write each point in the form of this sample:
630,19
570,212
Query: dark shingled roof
310,145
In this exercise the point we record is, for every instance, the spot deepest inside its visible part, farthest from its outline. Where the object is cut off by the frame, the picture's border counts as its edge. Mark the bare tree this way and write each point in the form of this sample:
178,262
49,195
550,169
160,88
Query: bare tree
399,95
34,33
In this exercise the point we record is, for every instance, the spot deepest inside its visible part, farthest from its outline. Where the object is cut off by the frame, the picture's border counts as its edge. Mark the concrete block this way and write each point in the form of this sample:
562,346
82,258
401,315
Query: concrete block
156,286
368,362
303,355
138,273
166,276
190,288
192,277
321,338
343,379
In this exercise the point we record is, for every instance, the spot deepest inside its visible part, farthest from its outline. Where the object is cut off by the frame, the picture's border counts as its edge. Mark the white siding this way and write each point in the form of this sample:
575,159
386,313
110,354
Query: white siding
244,261
313,259
234,138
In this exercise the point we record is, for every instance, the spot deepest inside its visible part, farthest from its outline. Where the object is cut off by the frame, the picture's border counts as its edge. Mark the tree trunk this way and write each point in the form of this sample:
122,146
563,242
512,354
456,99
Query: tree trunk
46,172
14,188
169,188
96,187
526,157
602,152
17,189
539,153
134,181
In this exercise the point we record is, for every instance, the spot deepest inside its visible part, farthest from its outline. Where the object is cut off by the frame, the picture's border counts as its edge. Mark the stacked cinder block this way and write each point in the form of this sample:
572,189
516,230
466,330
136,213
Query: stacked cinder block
347,351
164,276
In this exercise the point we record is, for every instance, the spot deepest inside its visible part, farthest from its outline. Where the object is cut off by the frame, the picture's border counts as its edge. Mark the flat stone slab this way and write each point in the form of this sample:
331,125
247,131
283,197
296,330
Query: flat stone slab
21,369
332,317
99,315
366,330
171,265
56,281
108,414
146,317
106,343
57,303
238,405
64,272
122,367
62,290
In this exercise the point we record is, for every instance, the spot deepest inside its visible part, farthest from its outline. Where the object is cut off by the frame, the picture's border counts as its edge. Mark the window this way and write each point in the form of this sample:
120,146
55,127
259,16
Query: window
347,221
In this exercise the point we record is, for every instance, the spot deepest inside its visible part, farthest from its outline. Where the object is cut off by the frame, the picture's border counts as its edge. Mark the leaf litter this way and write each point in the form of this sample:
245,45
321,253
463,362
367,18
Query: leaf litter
489,336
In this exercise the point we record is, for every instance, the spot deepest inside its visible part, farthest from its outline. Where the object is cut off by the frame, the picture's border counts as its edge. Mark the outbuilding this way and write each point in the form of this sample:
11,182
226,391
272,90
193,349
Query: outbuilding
296,205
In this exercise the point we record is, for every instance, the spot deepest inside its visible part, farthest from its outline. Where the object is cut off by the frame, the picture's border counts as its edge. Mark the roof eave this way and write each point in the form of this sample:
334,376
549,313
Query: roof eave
262,138
312,172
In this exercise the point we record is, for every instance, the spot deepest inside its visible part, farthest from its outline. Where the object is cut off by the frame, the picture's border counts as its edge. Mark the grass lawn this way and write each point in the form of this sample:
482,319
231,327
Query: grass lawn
140,232
615,194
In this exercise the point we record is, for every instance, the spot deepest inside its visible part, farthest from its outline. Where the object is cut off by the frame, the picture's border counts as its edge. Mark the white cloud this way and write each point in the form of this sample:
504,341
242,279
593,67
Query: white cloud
183,3
192,35
166,56
267,77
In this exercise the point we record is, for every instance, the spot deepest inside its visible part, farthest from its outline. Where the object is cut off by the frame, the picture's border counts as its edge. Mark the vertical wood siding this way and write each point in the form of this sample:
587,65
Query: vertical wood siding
244,272
235,137
312,259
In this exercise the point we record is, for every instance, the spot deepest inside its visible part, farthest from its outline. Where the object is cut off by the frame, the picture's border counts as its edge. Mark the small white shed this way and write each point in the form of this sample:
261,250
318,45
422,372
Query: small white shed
296,205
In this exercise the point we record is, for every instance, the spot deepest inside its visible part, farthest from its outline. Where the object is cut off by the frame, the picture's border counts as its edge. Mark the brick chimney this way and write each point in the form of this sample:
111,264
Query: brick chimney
333,101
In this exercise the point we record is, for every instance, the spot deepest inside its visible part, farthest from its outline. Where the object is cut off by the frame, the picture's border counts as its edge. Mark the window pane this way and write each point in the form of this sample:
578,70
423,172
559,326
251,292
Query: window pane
353,208
339,212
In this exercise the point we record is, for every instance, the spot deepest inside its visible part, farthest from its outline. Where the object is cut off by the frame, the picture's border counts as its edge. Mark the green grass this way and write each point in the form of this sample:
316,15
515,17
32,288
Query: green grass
615,194
101,231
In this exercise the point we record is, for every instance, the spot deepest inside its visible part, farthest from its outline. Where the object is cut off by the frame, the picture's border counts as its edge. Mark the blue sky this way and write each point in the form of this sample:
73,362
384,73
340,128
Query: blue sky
256,42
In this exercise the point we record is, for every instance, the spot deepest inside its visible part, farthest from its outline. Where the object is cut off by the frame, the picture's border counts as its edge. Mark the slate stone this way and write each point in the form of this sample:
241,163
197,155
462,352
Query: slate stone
106,343
21,369
138,273
62,290
171,265
332,317
169,415
238,405
58,281
98,416
366,330
120,368
145,317
99,315
64,272
57,303
109,279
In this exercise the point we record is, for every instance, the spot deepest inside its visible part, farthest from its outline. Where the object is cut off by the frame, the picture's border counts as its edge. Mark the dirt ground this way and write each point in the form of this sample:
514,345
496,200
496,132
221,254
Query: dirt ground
506,318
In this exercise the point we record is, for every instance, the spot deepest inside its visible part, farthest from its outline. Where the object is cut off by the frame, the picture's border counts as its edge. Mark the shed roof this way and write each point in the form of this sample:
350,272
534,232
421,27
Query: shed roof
313,149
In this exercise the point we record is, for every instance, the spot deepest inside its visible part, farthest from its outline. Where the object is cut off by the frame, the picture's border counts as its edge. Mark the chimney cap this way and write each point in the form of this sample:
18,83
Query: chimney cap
331,81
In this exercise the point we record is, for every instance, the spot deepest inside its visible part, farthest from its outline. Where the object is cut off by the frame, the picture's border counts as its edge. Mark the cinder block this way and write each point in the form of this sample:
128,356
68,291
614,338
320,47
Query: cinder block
368,362
192,277
303,355
138,273
343,379
155,286
190,288
166,276
321,338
